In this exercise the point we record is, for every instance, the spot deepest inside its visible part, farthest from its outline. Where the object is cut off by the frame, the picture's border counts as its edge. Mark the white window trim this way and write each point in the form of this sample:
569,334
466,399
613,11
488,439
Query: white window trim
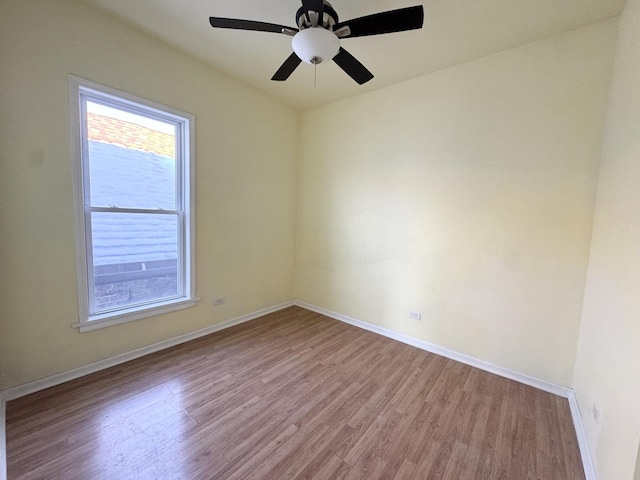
86,322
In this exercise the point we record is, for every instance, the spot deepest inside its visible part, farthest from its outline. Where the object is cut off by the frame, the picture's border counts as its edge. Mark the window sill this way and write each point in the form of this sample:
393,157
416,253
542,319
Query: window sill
110,319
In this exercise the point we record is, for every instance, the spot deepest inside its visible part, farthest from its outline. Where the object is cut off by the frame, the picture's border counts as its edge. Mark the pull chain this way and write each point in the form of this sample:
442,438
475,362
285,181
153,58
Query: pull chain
315,61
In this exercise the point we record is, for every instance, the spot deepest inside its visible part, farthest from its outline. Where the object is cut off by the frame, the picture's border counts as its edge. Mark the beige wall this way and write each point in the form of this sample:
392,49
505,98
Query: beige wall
247,147
608,362
468,195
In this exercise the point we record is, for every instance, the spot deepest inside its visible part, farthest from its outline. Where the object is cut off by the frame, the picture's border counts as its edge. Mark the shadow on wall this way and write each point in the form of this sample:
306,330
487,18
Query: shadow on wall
637,474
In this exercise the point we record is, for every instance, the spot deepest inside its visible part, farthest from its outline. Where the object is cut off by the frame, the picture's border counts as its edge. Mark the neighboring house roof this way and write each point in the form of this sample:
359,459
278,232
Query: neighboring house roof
126,177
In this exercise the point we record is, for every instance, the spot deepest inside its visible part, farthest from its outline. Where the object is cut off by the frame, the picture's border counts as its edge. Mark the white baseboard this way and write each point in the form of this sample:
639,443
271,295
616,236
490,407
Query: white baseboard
585,451
53,380
544,385
3,439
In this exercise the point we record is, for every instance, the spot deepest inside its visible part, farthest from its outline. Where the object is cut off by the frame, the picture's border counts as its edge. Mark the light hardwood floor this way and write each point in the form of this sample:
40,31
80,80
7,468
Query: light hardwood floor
292,395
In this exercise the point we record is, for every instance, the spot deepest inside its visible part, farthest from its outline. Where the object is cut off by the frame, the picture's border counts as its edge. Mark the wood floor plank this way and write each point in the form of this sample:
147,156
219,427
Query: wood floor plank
331,469
292,395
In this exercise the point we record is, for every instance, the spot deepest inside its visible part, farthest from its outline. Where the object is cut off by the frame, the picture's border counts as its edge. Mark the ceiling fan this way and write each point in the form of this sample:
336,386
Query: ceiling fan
317,38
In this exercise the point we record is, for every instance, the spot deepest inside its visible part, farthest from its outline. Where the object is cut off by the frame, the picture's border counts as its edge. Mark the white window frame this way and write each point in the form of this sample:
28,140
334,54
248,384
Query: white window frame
80,91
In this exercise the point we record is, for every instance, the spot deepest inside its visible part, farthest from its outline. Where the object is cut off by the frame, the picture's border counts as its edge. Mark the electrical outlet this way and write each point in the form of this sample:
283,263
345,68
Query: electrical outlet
596,413
415,315
218,301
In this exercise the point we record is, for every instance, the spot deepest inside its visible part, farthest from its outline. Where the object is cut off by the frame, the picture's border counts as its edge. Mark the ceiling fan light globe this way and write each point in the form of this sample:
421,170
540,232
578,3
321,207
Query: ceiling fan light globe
315,45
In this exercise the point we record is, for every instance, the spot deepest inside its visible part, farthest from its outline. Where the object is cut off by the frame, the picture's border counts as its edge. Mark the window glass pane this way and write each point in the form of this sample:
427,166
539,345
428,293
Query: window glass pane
132,159
135,258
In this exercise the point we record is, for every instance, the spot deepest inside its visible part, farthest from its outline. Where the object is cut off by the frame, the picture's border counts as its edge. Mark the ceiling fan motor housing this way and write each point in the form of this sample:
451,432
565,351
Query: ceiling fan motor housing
329,17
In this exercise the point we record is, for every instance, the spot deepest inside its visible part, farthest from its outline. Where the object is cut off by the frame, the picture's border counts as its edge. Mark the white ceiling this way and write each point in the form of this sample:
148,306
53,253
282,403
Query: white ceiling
454,31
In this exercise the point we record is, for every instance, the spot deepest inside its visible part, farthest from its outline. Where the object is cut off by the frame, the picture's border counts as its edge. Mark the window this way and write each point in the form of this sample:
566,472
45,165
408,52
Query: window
134,195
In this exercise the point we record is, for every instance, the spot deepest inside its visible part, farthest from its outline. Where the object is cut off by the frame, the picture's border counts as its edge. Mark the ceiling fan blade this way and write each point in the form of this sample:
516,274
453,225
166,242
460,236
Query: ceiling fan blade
238,24
352,66
287,68
400,20
315,6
